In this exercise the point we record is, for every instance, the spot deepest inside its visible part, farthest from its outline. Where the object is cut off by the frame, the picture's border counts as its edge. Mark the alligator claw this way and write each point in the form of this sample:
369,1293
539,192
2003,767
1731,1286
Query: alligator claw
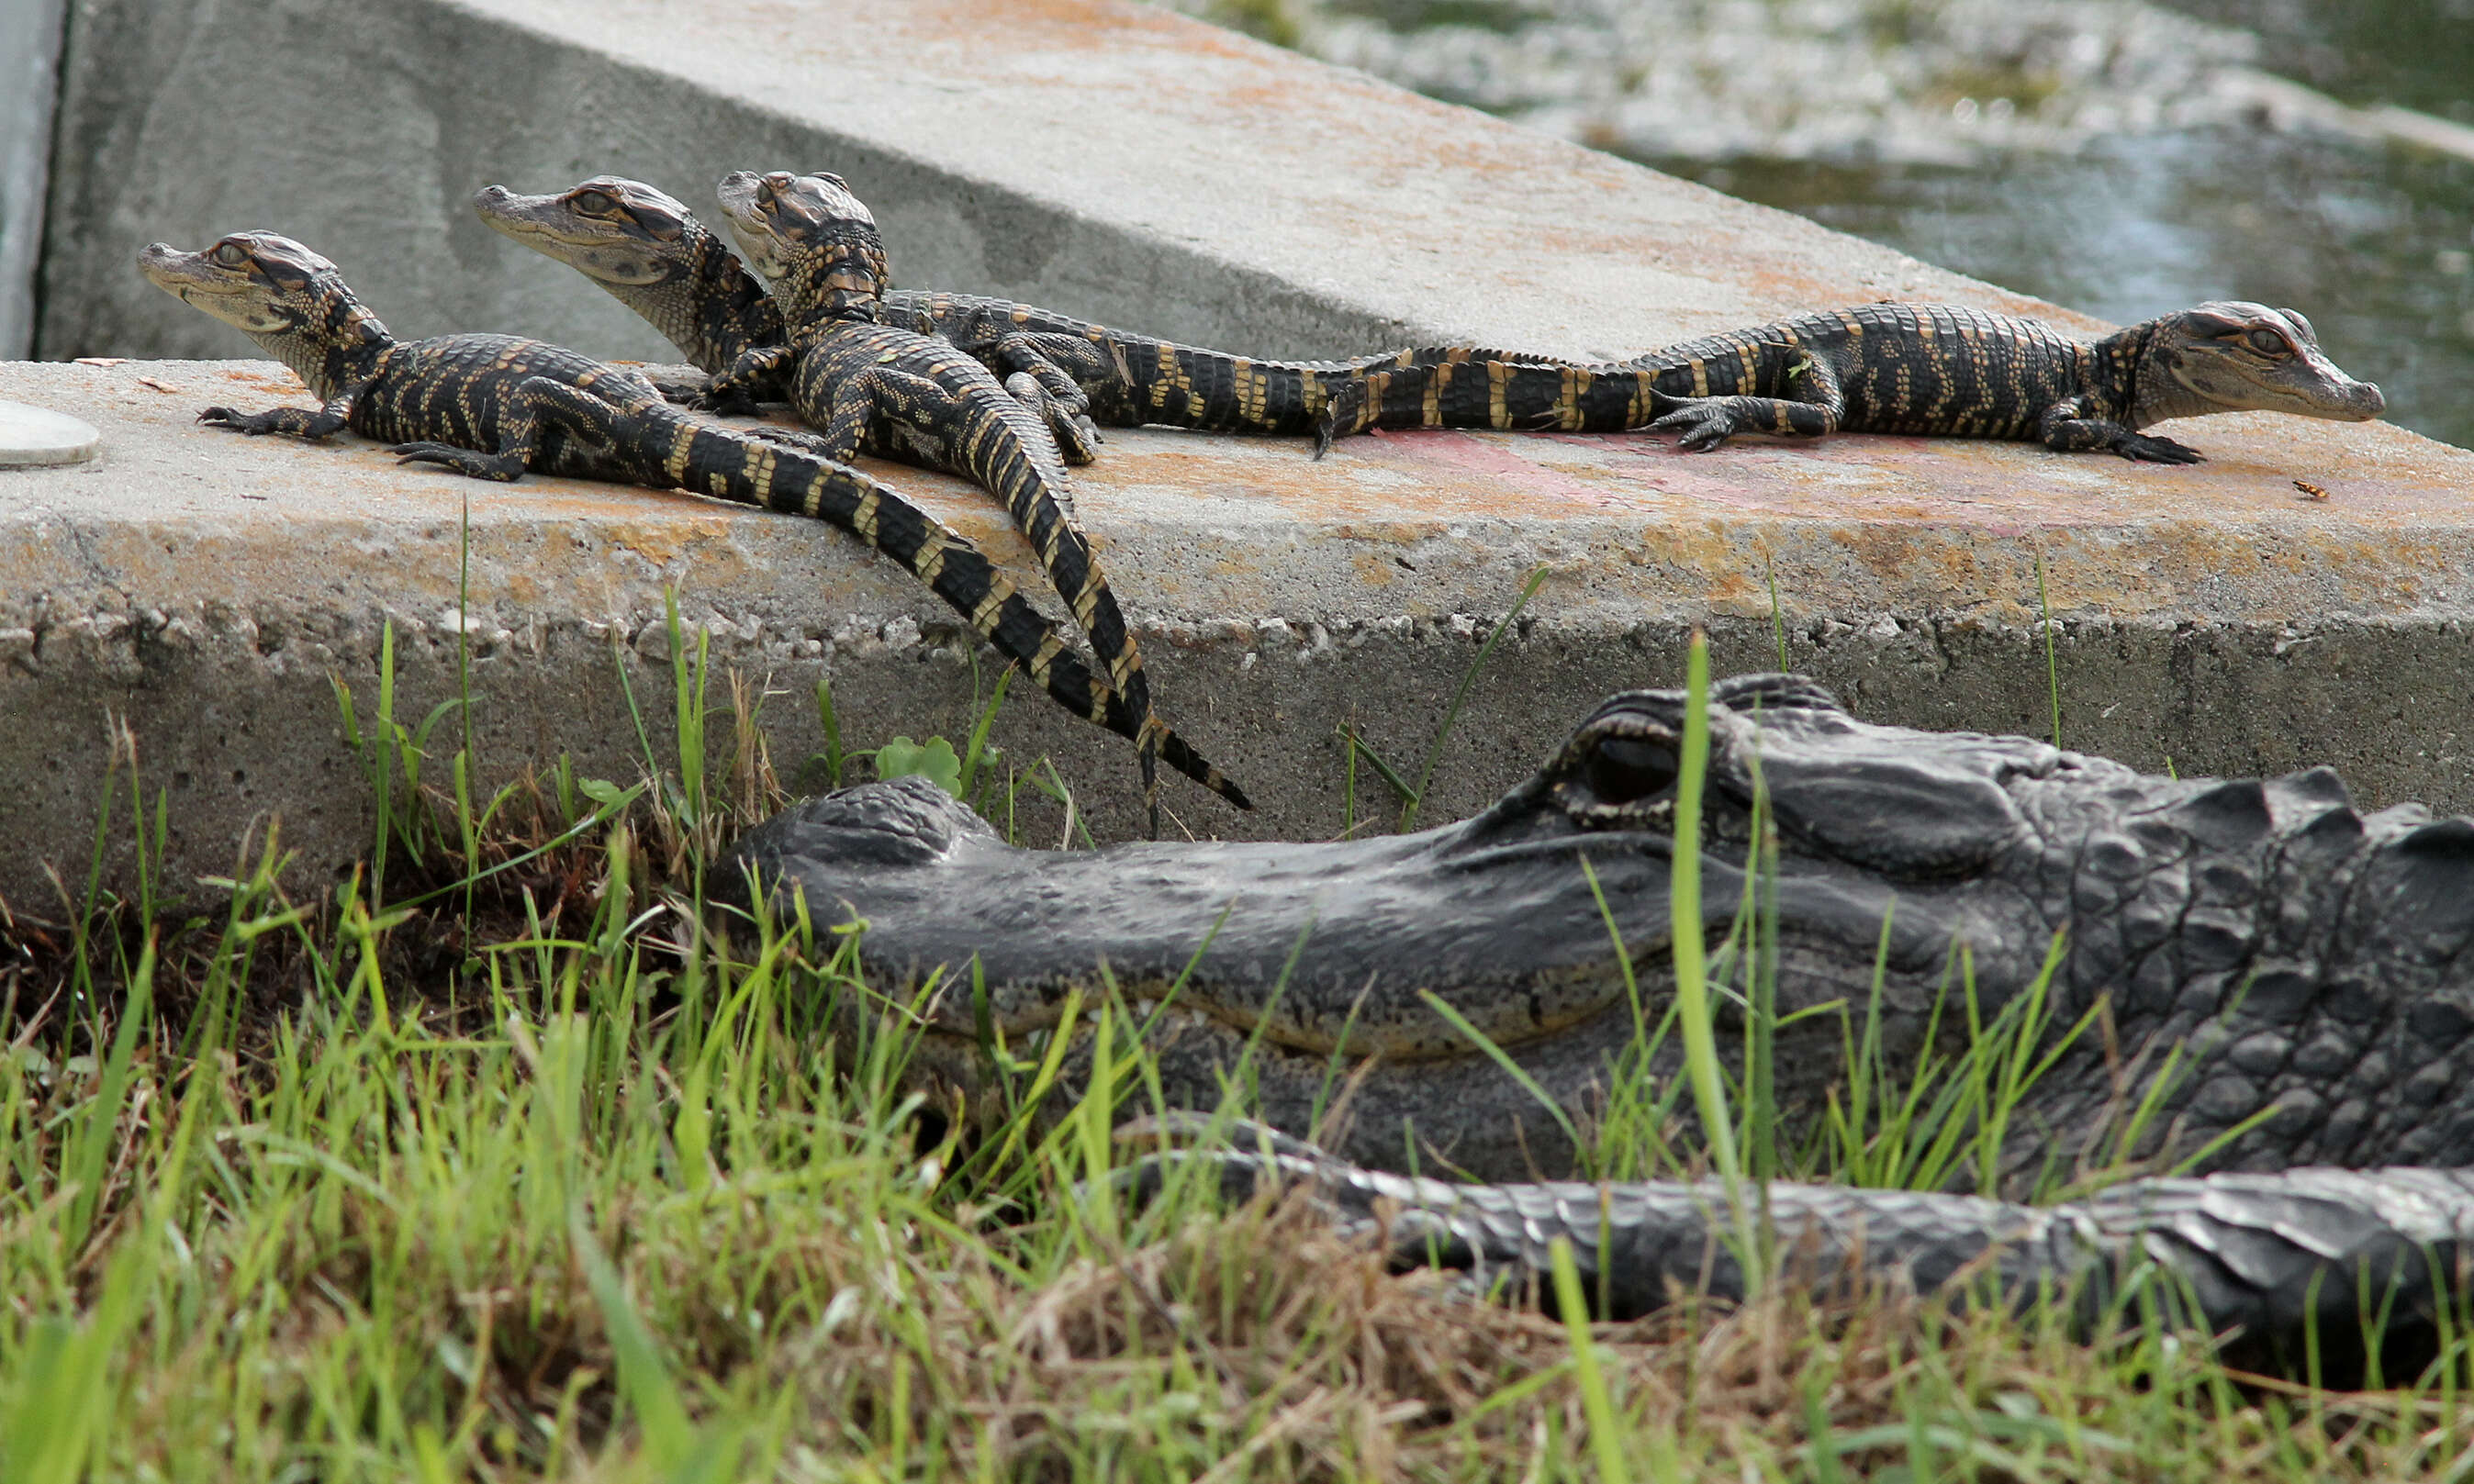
253,424
1323,433
2145,447
1703,430
501,469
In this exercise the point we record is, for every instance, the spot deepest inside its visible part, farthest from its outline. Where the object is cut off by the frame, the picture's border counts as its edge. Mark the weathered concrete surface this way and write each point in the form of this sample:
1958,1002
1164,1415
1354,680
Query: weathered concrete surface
1130,165
1103,159
205,586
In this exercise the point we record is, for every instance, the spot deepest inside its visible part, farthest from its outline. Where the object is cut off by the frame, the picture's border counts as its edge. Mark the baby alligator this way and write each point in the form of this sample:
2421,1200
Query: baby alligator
817,247
2285,980
493,406
645,248
1930,370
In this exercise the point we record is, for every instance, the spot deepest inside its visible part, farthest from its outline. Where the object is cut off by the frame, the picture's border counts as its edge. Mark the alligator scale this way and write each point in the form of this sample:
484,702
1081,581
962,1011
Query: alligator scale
2310,960
496,406
653,256
1939,371
817,249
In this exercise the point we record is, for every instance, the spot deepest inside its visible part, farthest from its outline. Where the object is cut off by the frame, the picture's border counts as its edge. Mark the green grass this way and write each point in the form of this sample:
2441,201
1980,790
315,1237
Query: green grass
514,1162
1413,796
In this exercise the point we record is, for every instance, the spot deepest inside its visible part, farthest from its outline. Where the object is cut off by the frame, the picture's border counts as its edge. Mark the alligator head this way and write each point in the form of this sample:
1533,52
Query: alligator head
814,244
2290,940
2234,356
288,299
651,254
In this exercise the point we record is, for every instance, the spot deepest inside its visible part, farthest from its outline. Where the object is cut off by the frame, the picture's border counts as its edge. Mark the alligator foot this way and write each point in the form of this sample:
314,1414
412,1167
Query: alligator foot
297,421
795,439
499,468
1704,428
1077,436
253,424
2145,448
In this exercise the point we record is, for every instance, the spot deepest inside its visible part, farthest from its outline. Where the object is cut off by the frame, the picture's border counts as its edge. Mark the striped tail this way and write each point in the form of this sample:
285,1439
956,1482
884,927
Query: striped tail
1452,387
1031,493
713,460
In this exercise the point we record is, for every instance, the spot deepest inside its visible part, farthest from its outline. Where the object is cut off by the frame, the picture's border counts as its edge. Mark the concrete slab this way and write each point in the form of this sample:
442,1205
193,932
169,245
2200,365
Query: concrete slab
205,588
1108,159
1129,164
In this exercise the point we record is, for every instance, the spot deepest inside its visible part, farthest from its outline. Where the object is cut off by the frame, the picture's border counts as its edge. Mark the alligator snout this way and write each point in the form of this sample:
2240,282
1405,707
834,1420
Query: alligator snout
1295,958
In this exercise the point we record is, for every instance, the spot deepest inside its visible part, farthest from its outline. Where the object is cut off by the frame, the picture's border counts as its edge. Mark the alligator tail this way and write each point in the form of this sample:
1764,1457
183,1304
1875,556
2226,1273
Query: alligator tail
1413,389
1455,387
1039,502
1187,386
2277,1265
710,459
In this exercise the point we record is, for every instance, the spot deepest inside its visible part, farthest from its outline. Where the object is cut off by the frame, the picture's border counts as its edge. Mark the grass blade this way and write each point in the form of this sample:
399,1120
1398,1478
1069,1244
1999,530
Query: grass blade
1596,1403
1460,694
1691,985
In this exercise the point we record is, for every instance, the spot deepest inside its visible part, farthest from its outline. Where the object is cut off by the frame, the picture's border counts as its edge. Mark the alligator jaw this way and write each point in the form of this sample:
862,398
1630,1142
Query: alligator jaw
237,294
741,193
1344,947
1323,948
1296,960
1359,927
606,250
2237,356
191,278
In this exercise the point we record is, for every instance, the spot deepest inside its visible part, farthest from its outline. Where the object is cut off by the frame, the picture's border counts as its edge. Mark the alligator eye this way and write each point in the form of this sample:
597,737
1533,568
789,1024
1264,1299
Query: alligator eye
1623,769
591,203
231,255
2269,343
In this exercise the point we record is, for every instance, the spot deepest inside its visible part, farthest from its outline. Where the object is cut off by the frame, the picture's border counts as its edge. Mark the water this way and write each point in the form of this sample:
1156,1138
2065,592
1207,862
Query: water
2419,53
2372,244
2081,151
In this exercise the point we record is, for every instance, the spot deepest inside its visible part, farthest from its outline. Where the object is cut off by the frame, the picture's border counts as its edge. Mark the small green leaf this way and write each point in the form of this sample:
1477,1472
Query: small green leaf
601,791
934,760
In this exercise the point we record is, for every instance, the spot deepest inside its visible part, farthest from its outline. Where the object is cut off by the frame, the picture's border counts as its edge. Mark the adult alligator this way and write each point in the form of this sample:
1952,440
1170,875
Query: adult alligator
1929,370
2286,981
494,407
654,257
